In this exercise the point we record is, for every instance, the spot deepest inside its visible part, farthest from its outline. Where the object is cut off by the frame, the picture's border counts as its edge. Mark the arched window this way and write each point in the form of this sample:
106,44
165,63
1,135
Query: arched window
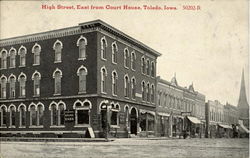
126,86
103,79
12,58
133,60
58,51
103,48
143,91
3,86
126,58
148,92
82,110
36,77
40,109
3,112
12,110
114,52
152,69
81,43
22,53
36,51
152,93
61,109
12,81
53,109
159,98
33,119
82,73
127,116
143,65
57,75
114,82
22,115
133,88
3,56
115,114
148,67
22,84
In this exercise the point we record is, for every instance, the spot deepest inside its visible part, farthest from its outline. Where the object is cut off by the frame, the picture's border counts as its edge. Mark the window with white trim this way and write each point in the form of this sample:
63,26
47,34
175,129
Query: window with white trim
33,116
22,53
143,65
53,111
22,85
133,87
152,93
58,51
148,92
40,110
115,114
114,82
114,52
127,116
82,74
103,48
133,60
22,116
143,91
12,81
36,77
152,69
126,58
12,58
126,86
61,110
12,110
82,43
159,98
4,55
57,75
3,86
82,111
148,67
36,51
3,117
103,79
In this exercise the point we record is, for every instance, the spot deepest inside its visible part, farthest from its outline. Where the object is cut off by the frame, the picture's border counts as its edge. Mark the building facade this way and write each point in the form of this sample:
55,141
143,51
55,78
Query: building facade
63,83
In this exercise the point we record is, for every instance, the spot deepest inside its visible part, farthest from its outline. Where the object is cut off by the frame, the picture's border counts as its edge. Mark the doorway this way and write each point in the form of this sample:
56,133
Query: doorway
133,121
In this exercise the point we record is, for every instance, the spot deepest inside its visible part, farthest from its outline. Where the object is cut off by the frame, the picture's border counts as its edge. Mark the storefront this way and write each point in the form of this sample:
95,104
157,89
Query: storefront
146,122
193,126
163,124
224,131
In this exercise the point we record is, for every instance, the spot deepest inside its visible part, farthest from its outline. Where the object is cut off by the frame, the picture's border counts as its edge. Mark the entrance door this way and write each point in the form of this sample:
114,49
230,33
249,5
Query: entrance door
133,122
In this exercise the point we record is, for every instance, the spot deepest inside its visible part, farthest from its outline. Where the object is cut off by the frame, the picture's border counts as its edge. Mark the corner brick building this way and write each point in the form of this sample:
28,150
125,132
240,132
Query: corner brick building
62,82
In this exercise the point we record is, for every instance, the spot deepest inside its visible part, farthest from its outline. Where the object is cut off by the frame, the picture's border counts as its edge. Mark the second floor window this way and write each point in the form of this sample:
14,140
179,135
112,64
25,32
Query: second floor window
148,92
22,83
12,81
148,67
114,53
126,86
36,51
133,88
126,58
114,83
58,51
57,75
22,54
143,65
82,73
103,80
36,77
3,87
152,93
143,91
153,69
133,58
12,58
3,56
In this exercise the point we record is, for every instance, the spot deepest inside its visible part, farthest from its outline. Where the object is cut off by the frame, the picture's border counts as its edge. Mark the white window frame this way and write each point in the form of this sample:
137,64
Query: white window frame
12,56
39,81
82,107
58,51
59,79
10,86
84,56
36,54
4,58
114,83
10,116
114,52
20,85
3,90
104,48
20,115
78,74
22,56
104,79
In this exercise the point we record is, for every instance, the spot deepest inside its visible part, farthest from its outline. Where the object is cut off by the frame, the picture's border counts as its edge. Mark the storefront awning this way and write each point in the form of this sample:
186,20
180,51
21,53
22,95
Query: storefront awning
225,126
147,111
194,120
163,114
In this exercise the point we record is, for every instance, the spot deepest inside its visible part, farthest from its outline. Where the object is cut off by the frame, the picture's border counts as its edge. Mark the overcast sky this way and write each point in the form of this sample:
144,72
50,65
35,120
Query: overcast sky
207,47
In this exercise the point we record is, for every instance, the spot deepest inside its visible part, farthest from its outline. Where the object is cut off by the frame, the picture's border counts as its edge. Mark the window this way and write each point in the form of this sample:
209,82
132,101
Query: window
12,58
3,86
133,60
22,53
82,110
22,115
58,51
61,108
81,43
148,92
143,91
82,73
143,66
3,112
53,109
133,87
148,67
126,58
36,77
22,83
152,93
114,114
159,98
114,52
103,79
103,48
57,75
127,115
36,51
33,118
126,86
152,69
114,83
3,56
12,81
40,109
12,110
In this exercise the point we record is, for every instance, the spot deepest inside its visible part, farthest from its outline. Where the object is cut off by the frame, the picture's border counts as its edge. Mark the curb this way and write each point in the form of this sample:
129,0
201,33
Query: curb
16,139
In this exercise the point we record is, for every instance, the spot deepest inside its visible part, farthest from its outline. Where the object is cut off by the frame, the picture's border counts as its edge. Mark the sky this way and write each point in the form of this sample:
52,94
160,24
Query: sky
206,47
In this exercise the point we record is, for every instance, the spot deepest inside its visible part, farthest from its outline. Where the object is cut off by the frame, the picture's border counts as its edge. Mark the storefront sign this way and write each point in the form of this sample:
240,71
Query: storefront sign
69,115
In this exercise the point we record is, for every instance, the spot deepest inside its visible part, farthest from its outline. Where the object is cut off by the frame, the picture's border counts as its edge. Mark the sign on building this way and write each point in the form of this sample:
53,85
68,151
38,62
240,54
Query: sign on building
69,116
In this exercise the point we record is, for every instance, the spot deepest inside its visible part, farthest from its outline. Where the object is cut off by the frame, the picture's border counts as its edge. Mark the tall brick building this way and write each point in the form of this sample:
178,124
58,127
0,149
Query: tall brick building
61,82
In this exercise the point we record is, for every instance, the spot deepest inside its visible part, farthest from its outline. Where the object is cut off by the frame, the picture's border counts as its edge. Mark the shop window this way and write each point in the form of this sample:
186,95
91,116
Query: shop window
143,122
58,51
3,86
114,114
82,111
22,53
82,43
3,56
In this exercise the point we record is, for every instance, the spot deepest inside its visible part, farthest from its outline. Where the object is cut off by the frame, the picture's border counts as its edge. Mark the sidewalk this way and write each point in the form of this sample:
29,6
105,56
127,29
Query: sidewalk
30,139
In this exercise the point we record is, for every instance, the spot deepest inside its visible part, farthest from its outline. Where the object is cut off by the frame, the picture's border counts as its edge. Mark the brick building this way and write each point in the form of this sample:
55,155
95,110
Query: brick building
63,82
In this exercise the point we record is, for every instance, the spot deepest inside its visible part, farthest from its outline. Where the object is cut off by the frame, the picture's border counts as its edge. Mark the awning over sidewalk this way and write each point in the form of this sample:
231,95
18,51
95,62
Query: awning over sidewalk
147,111
194,120
225,126
163,114
242,127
